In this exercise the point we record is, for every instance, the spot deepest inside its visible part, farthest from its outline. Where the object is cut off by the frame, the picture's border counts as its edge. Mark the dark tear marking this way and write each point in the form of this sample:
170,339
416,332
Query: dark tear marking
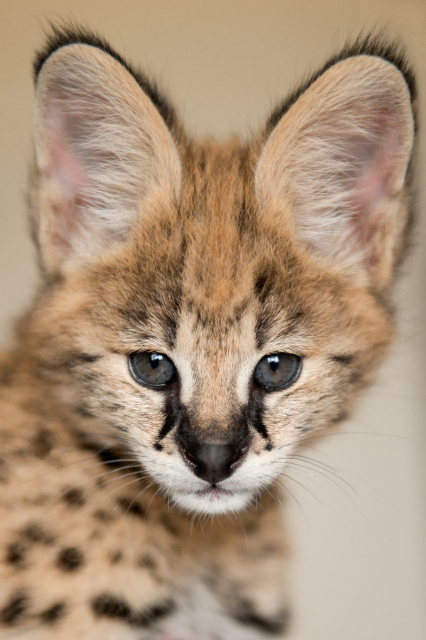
15,554
53,613
269,446
15,609
70,559
255,415
35,533
273,626
109,606
343,359
74,497
172,415
43,443
158,446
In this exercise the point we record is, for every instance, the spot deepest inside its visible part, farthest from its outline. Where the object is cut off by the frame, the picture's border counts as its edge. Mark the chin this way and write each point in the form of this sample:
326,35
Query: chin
212,501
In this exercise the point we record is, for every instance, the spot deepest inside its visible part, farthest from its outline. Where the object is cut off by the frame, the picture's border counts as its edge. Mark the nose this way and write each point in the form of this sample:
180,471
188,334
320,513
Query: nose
213,462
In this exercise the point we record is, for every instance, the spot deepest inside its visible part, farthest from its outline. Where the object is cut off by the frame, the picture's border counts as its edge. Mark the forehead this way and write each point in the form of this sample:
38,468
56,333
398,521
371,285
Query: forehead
211,259
230,253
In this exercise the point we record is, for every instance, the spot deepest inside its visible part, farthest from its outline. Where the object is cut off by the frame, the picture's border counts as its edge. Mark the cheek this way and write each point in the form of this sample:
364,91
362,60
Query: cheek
314,405
111,394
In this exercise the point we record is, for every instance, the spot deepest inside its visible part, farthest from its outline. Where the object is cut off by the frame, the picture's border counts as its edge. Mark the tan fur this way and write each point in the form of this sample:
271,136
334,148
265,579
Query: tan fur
207,265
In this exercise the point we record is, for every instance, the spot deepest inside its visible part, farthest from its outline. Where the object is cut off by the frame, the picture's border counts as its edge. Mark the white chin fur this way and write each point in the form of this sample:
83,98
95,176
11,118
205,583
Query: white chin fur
211,503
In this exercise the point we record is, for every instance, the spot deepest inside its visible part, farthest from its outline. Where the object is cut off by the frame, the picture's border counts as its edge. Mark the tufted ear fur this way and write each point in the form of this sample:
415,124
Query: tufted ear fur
102,153
338,158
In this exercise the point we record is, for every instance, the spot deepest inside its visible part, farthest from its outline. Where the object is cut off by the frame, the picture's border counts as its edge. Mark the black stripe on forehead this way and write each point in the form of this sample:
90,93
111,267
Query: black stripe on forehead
272,291
153,310
279,316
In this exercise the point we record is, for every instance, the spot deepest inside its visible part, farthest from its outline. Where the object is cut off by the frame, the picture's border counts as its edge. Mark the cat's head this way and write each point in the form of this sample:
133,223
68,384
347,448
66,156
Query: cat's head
213,303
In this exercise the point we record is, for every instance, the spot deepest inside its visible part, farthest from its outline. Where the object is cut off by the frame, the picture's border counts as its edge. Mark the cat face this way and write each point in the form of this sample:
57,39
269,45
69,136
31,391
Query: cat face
213,304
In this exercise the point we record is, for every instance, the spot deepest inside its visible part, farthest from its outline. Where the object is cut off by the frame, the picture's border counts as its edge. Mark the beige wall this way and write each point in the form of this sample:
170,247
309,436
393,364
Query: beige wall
359,557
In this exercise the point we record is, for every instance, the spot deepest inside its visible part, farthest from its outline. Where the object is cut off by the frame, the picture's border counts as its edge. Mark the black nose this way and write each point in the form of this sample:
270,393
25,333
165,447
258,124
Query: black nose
213,462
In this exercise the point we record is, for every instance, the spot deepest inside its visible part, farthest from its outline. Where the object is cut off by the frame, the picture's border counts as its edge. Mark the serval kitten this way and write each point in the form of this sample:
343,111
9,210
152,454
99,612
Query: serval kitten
203,308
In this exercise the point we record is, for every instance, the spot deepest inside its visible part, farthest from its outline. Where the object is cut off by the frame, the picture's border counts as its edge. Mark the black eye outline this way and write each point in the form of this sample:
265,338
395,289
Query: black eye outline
292,380
143,382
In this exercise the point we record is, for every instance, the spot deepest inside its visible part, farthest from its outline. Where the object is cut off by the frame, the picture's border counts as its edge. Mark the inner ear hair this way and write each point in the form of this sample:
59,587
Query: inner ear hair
102,151
337,161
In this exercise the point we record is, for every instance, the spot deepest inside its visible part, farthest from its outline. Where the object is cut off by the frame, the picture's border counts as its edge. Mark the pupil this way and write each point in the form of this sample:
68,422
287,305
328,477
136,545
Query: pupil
155,360
274,363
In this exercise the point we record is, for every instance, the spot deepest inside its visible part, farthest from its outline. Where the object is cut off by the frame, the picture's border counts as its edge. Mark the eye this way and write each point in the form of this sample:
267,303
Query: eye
277,371
153,369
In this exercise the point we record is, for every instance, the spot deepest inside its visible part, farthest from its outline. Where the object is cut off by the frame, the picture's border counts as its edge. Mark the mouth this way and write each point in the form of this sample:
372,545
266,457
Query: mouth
212,500
214,490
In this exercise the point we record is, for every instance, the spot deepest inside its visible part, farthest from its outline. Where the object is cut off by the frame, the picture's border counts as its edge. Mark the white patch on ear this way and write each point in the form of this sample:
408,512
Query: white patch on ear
339,157
102,150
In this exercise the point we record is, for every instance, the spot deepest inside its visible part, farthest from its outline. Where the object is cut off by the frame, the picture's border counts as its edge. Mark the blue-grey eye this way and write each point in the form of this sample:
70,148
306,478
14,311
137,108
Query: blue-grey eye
277,370
153,369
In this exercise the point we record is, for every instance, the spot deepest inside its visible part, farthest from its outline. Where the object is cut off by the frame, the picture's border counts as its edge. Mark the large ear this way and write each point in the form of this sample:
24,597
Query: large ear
102,153
337,159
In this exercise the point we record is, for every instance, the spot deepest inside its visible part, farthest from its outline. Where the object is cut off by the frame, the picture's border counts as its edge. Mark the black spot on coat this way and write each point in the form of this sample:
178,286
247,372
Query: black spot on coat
15,554
109,606
43,443
70,559
53,613
15,609
134,508
35,533
74,497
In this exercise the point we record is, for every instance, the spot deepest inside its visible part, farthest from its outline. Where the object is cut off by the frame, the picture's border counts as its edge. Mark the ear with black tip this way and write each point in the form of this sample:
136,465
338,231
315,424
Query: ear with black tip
102,153
338,161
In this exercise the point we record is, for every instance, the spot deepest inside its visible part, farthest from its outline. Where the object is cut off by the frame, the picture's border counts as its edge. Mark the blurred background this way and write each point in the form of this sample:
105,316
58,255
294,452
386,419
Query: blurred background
358,527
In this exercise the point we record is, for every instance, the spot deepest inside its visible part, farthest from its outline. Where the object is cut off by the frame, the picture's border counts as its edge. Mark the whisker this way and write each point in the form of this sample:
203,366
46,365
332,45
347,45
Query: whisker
321,473
138,495
122,486
295,499
301,485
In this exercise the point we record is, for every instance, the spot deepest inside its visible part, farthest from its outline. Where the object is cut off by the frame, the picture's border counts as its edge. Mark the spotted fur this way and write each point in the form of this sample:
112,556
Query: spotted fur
214,254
